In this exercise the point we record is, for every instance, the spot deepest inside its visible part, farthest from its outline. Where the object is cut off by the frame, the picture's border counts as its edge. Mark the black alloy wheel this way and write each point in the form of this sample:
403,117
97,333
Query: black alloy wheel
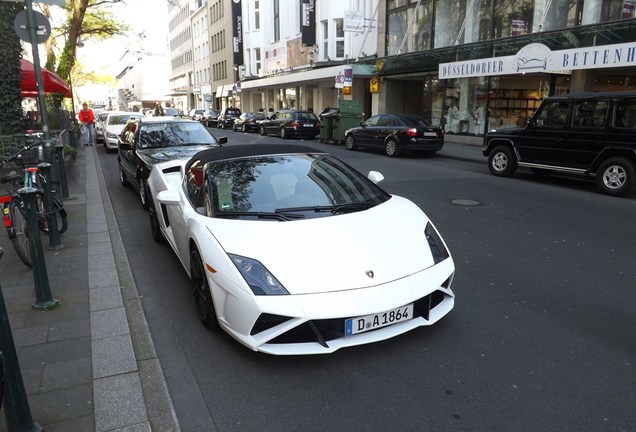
201,291
154,226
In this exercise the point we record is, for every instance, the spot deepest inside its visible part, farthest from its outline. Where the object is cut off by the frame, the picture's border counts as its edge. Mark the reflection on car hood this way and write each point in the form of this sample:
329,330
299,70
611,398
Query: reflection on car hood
153,156
334,253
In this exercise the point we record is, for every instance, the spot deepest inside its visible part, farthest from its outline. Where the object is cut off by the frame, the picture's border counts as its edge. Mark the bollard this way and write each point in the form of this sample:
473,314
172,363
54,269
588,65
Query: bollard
51,217
43,298
61,170
17,412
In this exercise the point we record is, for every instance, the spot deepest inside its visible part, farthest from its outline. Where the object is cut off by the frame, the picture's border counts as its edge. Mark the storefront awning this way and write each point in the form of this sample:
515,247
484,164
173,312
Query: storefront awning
359,71
575,37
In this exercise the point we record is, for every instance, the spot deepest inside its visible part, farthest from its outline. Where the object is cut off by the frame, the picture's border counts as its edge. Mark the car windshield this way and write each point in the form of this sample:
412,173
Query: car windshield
289,187
170,112
171,134
120,119
415,121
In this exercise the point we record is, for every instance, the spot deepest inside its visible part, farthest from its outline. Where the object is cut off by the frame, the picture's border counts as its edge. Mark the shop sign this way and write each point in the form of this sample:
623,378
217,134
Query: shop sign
537,57
374,85
518,27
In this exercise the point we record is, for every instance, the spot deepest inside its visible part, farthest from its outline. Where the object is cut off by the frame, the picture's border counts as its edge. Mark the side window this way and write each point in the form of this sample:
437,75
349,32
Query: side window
194,183
553,114
590,114
626,114
373,121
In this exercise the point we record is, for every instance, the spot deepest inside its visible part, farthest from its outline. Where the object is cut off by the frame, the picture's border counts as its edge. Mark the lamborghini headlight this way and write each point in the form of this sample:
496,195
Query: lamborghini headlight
439,251
260,280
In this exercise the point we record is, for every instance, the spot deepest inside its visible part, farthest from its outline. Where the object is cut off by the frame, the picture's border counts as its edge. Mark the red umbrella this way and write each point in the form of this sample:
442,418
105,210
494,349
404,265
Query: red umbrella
52,82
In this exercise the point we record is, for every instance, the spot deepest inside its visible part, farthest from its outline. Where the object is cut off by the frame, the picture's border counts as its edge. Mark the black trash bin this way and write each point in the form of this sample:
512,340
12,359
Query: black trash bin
327,118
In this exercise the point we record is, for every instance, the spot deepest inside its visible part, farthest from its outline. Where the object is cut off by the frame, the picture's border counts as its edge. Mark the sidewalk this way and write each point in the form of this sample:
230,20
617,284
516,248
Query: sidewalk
89,365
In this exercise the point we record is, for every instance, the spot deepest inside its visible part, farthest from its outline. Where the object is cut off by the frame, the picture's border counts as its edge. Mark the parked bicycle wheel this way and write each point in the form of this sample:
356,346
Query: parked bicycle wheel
58,210
20,239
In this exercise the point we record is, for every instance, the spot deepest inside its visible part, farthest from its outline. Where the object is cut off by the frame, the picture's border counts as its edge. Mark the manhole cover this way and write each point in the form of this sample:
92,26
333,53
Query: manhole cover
465,202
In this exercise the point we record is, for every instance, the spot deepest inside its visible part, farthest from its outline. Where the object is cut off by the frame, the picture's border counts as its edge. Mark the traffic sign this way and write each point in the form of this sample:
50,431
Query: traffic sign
374,85
42,27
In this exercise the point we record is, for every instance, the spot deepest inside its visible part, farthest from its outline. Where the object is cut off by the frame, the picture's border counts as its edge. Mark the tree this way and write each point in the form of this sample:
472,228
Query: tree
12,120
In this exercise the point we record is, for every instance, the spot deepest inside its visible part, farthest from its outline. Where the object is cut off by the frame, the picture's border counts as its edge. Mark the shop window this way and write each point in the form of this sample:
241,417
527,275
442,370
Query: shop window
613,10
514,18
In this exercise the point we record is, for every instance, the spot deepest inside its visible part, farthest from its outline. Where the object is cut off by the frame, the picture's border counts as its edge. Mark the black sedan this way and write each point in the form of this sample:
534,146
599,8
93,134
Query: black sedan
249,122
292,123
148,141
395,134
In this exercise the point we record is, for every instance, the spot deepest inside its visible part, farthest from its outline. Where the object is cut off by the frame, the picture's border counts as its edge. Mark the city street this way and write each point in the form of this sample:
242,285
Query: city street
541,337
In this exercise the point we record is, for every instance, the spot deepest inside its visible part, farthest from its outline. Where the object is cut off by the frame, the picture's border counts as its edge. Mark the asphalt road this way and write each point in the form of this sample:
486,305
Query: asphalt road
541,337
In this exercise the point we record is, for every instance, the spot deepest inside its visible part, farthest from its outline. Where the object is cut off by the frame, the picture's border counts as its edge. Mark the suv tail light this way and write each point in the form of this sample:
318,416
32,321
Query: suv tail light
412,132
317,125
294,124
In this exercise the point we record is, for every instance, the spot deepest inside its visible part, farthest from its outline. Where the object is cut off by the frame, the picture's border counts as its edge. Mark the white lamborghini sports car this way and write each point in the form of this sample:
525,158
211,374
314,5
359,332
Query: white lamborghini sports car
291,251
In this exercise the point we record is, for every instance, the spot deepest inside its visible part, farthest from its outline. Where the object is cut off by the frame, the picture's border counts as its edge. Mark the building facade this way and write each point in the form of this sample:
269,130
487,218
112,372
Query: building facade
467,65
472,66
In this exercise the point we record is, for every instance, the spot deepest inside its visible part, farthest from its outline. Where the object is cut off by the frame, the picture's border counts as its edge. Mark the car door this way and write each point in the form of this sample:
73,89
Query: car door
588,132
544,139
364,135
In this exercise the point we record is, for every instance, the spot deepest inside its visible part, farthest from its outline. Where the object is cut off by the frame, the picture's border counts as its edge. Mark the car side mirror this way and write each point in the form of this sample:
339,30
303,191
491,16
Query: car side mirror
375,176
168,197
222,140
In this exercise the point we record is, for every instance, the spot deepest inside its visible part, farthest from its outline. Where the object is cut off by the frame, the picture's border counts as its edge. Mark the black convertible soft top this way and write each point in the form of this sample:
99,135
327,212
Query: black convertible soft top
247,150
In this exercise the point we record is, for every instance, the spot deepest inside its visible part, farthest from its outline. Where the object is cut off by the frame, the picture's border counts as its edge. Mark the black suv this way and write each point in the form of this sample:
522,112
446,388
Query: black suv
227,116
591,134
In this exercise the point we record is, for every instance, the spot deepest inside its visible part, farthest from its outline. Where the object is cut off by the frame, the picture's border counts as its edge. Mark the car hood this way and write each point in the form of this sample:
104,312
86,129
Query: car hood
334,253
507,131
116,129
154,156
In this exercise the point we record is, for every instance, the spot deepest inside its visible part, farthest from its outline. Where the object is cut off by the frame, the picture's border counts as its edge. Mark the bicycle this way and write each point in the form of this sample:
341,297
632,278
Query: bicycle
13,208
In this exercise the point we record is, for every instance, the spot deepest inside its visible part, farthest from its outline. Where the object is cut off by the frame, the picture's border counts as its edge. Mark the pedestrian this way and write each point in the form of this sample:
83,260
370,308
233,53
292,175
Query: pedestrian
158,110
270,112
87,119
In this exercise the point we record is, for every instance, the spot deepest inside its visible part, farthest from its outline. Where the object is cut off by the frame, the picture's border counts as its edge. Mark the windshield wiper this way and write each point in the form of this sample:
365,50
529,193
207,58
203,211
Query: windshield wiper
335,209
261,215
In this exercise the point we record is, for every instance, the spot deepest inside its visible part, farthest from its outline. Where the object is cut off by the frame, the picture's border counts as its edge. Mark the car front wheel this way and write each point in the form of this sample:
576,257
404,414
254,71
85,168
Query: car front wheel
616,176
263,133
502,162
350,143
201,291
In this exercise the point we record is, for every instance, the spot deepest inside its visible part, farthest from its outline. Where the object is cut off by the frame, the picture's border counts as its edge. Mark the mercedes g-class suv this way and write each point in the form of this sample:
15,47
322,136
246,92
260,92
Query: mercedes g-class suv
591,134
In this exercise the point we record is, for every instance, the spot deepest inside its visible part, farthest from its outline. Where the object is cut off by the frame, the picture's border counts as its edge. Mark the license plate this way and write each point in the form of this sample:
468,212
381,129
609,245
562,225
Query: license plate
430,134
372,322
308,125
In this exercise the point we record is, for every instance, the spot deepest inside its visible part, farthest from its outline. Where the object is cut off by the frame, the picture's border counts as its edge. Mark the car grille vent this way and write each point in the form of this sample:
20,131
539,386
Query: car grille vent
266,322
322,331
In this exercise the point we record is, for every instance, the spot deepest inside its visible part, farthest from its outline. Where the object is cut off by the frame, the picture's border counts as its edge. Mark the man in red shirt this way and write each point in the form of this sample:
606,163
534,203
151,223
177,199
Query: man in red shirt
87,119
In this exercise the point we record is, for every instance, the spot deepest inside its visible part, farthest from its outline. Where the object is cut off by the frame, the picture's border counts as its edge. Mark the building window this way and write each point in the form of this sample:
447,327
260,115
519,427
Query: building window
257,15
340,43
276,20
257,58
325,40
